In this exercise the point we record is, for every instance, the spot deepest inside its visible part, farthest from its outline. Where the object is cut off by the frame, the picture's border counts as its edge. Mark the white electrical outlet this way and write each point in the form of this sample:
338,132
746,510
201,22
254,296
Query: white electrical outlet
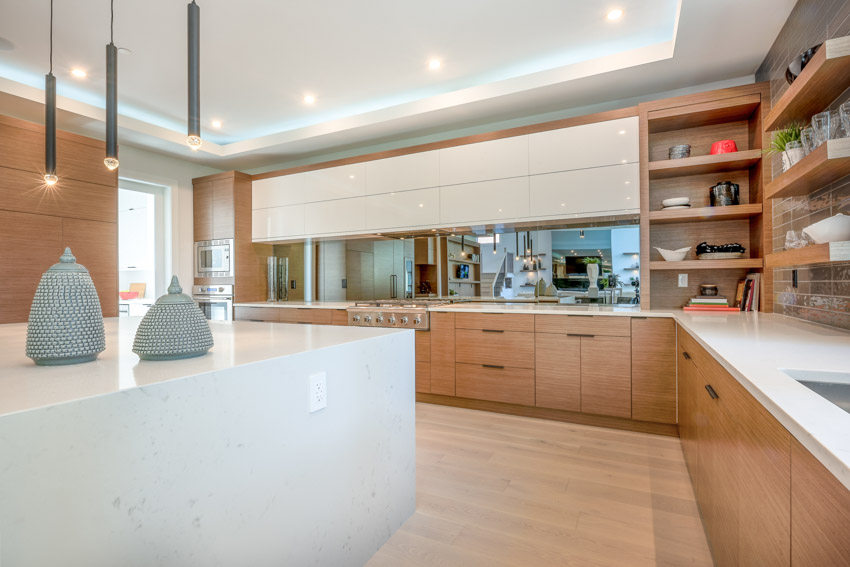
683,280
318,391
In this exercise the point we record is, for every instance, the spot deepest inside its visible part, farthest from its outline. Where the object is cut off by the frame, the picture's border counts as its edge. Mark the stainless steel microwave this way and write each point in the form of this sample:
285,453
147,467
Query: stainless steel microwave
214,258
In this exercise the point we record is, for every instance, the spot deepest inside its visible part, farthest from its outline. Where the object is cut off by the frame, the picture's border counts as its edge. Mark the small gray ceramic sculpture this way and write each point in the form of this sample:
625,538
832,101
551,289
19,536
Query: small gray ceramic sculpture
173,328
66,323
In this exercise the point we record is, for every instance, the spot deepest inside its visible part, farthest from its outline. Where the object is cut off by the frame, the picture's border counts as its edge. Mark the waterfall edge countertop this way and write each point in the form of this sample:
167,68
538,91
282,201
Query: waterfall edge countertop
25,386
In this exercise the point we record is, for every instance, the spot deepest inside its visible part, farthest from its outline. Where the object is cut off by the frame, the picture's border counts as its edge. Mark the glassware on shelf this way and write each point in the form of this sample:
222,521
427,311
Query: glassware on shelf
807,137
835,128
795,239
844,113
820,124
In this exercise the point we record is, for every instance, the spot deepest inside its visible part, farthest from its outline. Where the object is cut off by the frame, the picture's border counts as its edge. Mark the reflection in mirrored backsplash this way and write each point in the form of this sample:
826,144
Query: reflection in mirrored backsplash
599,264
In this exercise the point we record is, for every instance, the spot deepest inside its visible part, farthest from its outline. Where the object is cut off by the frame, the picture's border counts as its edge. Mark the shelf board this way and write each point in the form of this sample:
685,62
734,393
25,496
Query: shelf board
825,77
705,214
456,261
707,264
699,165
705,114
815,254
827,163
465,281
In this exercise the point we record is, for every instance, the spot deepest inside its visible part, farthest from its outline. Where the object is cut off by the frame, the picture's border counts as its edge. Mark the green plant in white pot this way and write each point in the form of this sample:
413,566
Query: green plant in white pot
787,143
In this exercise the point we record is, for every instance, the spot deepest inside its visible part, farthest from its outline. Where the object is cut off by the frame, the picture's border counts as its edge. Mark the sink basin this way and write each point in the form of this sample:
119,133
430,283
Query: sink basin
834,386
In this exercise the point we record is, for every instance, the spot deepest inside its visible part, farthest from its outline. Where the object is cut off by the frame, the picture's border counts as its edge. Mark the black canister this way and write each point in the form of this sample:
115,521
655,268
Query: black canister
724,194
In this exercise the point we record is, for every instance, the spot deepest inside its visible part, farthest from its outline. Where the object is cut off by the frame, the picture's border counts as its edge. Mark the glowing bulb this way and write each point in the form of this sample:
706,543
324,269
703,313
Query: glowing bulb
622,132
309,99
194,142
111,163
79,73
615,15
50,179
216,123
434,64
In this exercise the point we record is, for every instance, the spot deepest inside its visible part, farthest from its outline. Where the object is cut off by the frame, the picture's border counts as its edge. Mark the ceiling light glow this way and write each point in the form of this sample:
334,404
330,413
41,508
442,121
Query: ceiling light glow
216,123
614,15
309,99
434,64
79,73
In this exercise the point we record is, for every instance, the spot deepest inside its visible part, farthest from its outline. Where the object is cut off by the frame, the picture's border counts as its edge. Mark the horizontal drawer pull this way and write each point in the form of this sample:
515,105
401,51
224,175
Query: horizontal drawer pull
305,322
493,366
492,330
711,392
686,356
580,335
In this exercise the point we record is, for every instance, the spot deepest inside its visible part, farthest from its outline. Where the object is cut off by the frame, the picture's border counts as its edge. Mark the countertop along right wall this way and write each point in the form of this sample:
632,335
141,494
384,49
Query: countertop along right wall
822,294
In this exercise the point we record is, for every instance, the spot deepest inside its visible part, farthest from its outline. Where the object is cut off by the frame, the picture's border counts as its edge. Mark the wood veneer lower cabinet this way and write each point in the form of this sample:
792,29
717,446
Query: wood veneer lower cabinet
306,315
423,362
653,369
606,376
820,513
557,371
339,317
264,314
443,353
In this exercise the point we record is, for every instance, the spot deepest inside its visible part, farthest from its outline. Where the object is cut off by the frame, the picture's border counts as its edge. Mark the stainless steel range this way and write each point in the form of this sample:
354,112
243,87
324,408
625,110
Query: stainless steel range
397,313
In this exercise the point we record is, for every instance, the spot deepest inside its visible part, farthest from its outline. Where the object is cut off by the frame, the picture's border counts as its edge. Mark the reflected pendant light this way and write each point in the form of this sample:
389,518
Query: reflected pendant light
581,233
194,35
494,243
111,159
462,247
50,116
516,234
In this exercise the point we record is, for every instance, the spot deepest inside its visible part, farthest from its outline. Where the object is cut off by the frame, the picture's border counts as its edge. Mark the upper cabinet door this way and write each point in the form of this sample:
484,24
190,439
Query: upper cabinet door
320,185
277,222
403,209
202,207
585,191
590,145
403,173
488,201
497,159
222,210
335,217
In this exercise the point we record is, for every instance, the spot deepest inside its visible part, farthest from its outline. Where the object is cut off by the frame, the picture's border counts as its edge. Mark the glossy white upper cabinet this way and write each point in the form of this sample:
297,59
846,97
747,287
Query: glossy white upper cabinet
334,217
321,185
487,201
403,173
483,161
401,209
585,191
277,222
590,145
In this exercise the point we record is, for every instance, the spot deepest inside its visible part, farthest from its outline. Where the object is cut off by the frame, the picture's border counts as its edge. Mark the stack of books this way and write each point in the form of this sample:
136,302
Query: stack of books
748,293
709,303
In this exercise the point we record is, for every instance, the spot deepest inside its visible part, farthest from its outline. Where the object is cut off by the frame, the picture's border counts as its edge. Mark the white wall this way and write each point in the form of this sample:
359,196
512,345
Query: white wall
142,165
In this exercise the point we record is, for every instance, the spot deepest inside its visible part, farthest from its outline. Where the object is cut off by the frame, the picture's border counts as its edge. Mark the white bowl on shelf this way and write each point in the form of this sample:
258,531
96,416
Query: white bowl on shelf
675,201
833,229
673,255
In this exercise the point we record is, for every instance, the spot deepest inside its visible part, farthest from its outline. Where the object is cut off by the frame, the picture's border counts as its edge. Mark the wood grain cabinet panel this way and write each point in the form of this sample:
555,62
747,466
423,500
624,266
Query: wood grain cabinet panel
606,376
500,348
95,245
557,371
690,386
423,377
423,346
306,315
583,325
443,353
267,314
508,385
496,321
339,317
202,210
223,209
820,513
654,369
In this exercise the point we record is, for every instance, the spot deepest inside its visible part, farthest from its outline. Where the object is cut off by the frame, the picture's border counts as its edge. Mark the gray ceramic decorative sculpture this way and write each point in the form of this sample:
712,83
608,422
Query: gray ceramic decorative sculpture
173,328
66,323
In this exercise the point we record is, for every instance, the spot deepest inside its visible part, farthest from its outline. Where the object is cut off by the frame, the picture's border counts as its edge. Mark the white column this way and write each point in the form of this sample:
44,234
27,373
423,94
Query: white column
309,270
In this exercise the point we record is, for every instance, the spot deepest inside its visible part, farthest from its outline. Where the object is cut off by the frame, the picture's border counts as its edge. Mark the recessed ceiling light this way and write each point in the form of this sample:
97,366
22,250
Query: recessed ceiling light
434,64
421,204
309,99
433,230
351,177
216,123
624,161
79,73
622,132
628,182
615,15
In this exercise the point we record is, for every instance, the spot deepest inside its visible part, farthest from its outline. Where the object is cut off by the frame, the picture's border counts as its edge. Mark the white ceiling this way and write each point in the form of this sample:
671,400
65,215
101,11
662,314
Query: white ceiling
366,63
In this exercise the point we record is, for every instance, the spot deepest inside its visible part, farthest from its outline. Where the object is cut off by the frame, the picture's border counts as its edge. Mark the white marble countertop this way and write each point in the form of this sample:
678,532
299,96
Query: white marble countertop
298,304
25,386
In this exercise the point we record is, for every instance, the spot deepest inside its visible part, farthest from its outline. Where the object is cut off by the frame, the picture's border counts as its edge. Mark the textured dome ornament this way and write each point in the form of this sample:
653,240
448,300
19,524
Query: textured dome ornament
173,328
66,323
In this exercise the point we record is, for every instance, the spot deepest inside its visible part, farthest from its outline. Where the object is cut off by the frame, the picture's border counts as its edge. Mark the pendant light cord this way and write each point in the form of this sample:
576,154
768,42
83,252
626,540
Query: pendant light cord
51,37
111,20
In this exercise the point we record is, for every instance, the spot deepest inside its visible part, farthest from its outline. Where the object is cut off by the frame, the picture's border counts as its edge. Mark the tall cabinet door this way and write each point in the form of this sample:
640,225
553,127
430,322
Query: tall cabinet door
606,376
654,370
223,225
689,387
557,371
443,353
202,206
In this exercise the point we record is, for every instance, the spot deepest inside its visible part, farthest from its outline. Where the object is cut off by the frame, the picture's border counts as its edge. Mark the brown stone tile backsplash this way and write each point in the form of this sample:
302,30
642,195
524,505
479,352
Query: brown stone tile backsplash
822,294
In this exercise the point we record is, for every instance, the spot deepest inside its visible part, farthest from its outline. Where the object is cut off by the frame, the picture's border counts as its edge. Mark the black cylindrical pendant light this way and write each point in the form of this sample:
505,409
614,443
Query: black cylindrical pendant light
50,116
494,243
462,247
194,34
111,159
516,234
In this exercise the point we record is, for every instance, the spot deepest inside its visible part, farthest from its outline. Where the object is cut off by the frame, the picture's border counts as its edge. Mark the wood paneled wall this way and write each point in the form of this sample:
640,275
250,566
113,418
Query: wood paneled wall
37,222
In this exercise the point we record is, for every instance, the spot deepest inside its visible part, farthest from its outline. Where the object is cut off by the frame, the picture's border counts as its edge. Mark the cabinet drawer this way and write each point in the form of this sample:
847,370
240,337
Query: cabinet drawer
510,385
583,325
423,377
270,314
501,348
495,321
306,315
423,346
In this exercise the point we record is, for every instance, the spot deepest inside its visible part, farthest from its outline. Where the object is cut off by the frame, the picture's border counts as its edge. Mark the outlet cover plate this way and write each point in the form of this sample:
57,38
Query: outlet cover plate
683,280
318,391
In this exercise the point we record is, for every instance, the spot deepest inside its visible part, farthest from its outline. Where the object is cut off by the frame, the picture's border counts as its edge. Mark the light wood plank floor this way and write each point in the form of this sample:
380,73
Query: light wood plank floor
497,490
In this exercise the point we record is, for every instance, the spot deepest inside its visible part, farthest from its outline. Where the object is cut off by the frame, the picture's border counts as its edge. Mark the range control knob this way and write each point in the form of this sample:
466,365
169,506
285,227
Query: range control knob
356,318
404,320
417,320
368,318
379,319
392,320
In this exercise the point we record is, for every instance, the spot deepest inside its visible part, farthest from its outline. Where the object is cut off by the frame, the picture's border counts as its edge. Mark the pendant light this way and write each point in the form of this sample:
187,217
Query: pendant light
194,31
494,242
462,248
516,234
111,159
50,116
581,233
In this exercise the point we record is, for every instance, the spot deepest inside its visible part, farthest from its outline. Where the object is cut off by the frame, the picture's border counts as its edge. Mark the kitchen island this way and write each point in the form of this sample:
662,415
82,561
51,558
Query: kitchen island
214,460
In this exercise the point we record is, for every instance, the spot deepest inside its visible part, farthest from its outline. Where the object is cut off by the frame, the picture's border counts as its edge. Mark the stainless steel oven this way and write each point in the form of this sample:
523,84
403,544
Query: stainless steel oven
214,258
215,301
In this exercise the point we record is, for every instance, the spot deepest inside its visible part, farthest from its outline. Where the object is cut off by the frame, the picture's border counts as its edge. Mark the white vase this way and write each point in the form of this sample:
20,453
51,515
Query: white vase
593,274
791,157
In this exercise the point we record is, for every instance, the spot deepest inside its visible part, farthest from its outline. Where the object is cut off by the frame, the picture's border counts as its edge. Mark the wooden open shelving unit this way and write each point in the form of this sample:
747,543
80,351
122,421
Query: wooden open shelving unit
816,254
700,120
829,162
